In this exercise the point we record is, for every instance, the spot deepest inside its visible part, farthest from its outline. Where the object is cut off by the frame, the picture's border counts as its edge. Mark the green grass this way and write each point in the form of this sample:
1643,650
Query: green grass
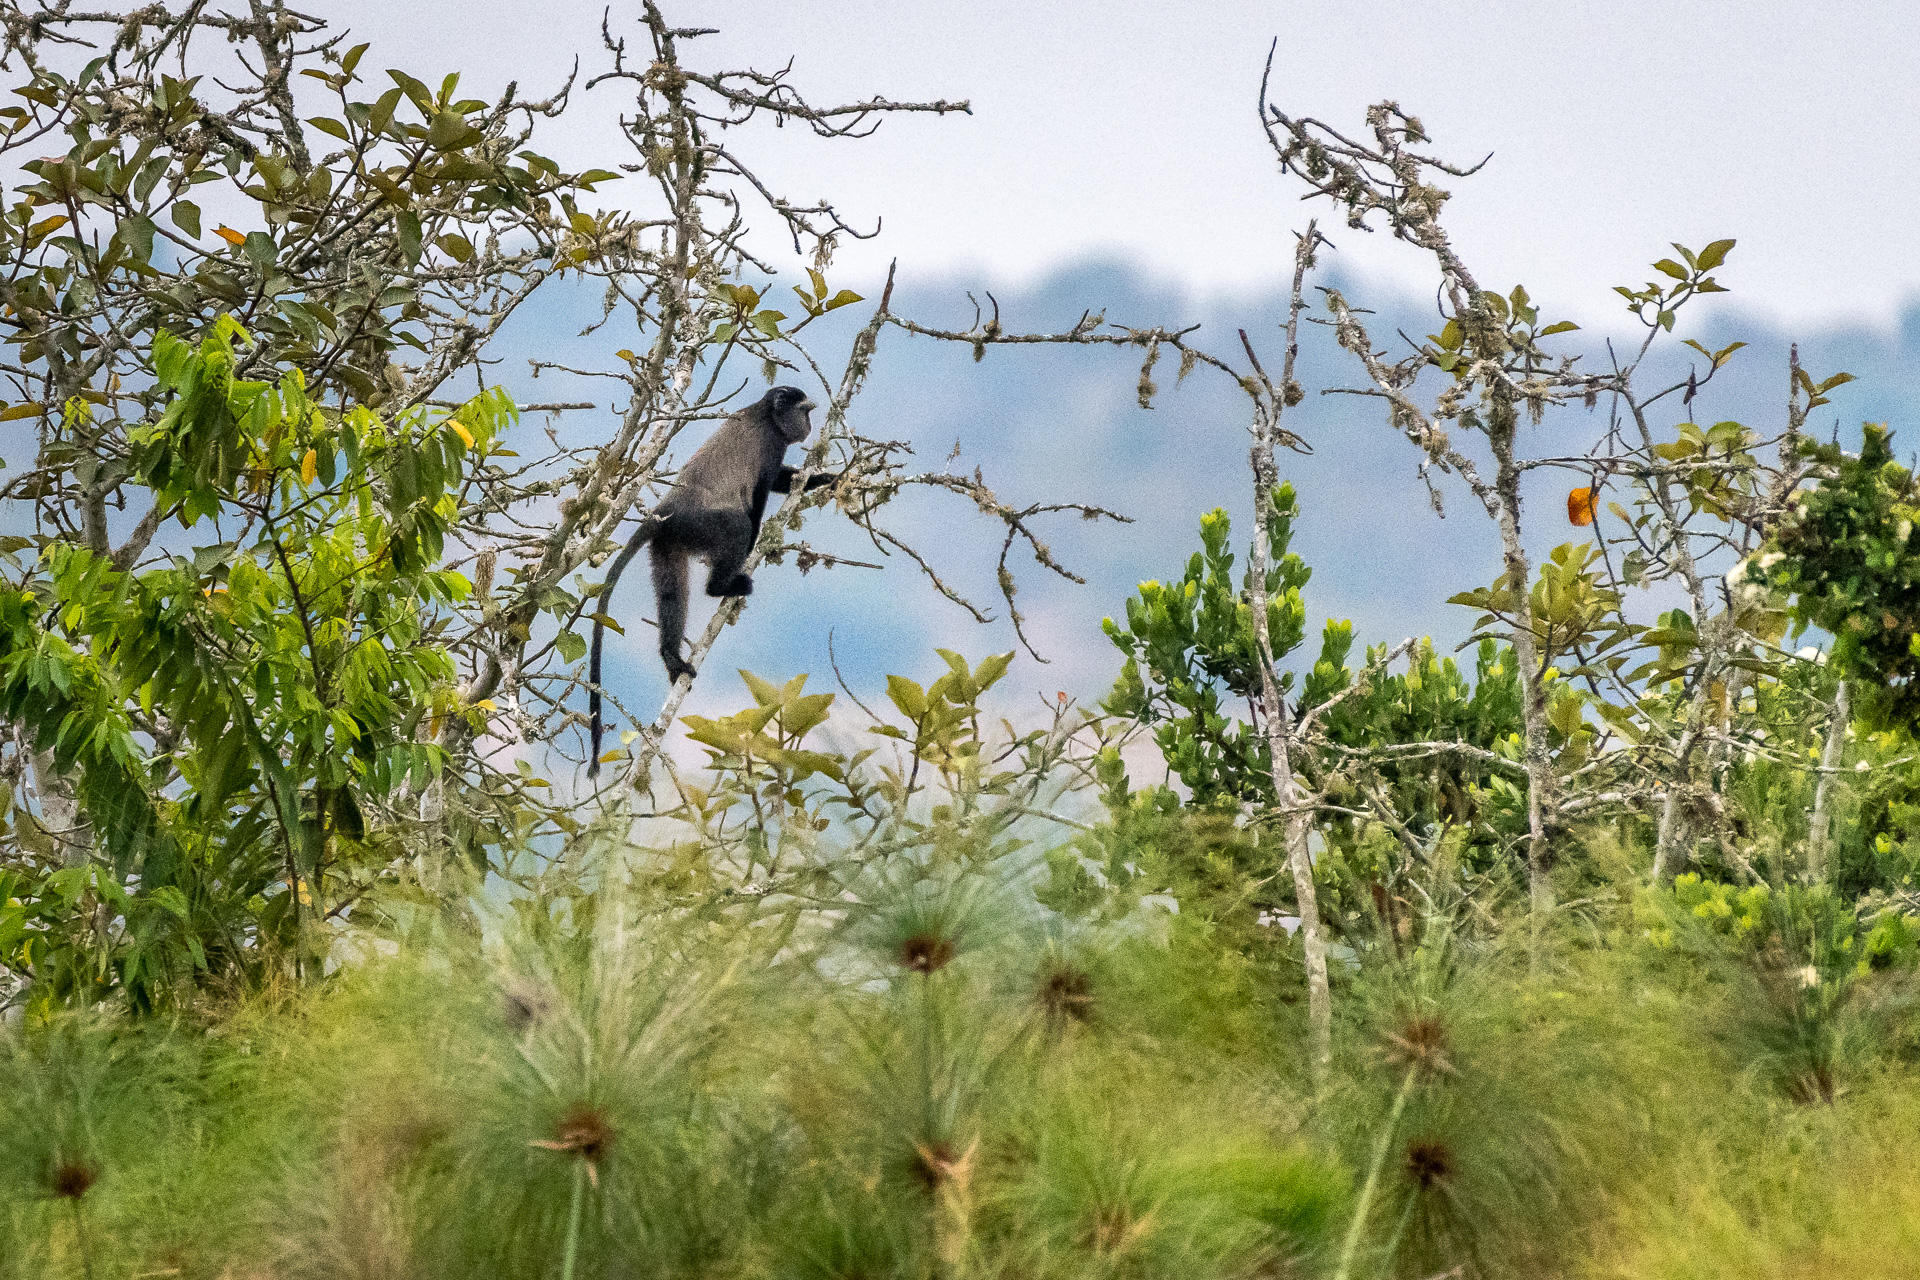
951,1084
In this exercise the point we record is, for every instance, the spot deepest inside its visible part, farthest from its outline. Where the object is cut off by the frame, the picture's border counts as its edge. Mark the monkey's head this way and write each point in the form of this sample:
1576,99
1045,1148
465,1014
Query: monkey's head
787,409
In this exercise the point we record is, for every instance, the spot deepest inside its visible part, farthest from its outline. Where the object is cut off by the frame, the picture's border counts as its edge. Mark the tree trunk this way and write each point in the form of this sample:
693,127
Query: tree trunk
1276,720
1533,695
60,813
1817,838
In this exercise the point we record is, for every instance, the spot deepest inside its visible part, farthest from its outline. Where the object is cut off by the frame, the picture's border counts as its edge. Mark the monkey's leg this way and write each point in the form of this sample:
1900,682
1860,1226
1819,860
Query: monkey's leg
728,538
670,599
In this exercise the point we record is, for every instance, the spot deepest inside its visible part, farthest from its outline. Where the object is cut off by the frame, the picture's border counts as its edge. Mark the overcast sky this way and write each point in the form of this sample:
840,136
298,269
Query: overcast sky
1126,129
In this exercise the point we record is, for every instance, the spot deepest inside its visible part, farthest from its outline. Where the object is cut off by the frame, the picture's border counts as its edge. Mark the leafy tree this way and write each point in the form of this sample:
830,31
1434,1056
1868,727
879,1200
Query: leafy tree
249,723
1414,753
233,311
285,622
1440,748
1845,556
1190,655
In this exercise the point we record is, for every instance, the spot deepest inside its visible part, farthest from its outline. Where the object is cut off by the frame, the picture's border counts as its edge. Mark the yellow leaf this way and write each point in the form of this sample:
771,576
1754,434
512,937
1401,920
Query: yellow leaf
232,237
459,429
309,467
485,704
1580,506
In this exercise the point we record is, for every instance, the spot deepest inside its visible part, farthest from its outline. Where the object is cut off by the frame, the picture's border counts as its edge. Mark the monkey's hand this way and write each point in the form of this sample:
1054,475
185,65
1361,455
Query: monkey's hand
738,585
784,478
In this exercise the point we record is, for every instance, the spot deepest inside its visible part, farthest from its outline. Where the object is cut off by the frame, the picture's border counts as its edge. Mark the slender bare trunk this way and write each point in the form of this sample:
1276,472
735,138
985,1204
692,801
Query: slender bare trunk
1818,837
1541,790
1287,793
1275,718
60,812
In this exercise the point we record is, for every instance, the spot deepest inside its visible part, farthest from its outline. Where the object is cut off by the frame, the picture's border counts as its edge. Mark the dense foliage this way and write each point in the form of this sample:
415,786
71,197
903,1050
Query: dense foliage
228,712
1846,556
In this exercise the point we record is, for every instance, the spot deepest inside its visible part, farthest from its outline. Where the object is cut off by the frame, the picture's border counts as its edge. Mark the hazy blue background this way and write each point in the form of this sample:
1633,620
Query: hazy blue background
1049,423
1125,130
1113,162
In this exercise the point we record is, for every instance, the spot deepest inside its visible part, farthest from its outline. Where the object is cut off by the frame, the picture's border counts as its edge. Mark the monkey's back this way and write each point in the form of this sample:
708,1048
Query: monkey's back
728,471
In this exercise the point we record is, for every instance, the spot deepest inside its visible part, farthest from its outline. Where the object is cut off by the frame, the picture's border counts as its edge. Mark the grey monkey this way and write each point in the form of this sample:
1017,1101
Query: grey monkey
713,511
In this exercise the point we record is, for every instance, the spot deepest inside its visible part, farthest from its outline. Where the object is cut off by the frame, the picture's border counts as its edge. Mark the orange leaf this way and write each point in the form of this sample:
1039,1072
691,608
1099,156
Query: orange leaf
1580,506
232,237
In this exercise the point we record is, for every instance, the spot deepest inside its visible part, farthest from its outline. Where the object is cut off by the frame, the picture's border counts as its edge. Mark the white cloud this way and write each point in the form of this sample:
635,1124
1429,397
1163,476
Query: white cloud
1128,128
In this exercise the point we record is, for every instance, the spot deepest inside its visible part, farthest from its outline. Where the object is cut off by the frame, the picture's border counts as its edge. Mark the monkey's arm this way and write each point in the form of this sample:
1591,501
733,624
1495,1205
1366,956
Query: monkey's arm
783,481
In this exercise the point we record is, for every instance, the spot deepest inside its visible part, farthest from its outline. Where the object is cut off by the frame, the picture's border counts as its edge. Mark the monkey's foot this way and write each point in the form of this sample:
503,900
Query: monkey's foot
738,585
677,666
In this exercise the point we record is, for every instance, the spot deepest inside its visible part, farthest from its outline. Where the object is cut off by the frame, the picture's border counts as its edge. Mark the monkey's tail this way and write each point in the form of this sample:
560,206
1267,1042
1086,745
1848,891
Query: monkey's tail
641,537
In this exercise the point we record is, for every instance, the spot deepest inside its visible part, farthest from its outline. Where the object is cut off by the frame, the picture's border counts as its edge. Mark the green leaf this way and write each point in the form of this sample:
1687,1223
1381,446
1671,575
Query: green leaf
908,696
1667,266
407,228
169,899
449,131
260,250
804,715
381,117
150,175
572,647
415,91
137,234
186,216
991,669
765,692
1715,254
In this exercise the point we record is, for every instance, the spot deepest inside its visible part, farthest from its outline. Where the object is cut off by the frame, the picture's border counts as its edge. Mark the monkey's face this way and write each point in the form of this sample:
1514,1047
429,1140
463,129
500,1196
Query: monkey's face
788,407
